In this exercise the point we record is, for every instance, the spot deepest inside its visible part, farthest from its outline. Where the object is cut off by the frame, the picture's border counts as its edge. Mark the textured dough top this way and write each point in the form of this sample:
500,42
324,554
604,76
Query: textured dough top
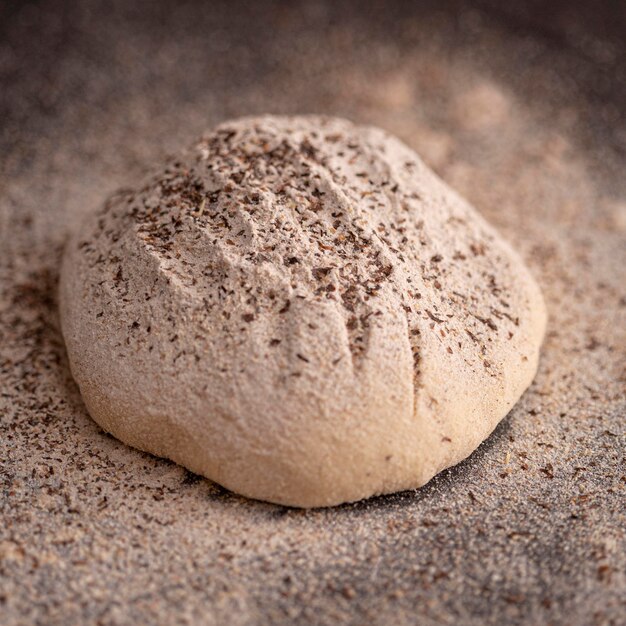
303,301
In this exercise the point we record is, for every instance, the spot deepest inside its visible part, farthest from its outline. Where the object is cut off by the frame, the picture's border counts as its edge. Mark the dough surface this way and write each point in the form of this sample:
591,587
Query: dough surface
300,310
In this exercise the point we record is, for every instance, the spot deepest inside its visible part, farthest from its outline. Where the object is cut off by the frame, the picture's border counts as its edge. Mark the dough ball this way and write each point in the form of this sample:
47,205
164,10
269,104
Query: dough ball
300,310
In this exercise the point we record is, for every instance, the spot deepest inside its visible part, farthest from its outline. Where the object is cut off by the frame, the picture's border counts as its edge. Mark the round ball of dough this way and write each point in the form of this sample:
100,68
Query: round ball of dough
300,310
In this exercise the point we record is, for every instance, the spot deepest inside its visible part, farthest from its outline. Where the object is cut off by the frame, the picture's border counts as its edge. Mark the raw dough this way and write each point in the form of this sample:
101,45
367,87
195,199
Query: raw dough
300,310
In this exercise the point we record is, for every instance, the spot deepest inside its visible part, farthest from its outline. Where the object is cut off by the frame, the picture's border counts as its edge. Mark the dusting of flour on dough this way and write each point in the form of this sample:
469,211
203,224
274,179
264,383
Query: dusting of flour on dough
299,309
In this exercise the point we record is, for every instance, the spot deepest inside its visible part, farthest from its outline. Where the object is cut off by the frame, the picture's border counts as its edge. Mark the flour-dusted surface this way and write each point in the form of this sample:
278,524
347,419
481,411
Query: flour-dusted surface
300,310
523,122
